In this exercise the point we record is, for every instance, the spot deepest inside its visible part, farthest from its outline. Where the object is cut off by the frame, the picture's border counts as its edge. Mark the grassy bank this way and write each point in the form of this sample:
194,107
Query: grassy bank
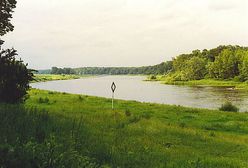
51,77
202,82
58,129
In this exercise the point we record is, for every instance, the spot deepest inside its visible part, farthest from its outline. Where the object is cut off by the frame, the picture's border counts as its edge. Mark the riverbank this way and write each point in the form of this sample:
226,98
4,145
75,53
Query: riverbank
85,130
202,82
52,77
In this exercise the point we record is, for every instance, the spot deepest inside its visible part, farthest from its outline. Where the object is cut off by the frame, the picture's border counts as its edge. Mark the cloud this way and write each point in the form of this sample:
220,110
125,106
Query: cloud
122,32
226,5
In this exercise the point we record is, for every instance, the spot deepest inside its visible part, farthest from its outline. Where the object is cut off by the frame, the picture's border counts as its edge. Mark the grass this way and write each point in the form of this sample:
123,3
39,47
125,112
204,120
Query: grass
51,77
203,82
76,130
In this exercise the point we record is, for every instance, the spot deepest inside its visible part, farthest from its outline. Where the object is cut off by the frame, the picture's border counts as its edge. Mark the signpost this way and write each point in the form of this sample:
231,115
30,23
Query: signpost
113,87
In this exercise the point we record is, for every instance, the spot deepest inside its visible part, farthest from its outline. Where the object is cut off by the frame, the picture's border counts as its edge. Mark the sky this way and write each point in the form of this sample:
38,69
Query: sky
79,33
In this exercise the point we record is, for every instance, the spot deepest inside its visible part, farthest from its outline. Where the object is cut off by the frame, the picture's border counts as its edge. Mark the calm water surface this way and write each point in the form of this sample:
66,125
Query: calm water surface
134,88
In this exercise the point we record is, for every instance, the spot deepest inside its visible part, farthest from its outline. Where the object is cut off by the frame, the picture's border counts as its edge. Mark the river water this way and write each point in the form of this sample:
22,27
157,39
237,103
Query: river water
134,88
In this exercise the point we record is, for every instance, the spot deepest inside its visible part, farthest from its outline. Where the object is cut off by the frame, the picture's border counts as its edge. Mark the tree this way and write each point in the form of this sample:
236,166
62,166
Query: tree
14,77
6,11
243,68
14,74
54,70
225,65
196,68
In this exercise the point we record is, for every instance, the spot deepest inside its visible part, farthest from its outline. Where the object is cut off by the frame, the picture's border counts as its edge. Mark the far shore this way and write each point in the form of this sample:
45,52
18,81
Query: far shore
203,82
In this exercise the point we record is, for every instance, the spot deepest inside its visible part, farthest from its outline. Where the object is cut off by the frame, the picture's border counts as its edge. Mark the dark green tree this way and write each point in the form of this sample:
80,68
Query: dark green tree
6,10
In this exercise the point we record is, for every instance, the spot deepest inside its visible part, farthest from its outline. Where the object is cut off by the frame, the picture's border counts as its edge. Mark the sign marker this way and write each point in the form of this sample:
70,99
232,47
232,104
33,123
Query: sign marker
113,87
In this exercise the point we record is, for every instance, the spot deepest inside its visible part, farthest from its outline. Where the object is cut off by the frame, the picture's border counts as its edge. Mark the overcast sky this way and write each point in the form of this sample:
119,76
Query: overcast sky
76,33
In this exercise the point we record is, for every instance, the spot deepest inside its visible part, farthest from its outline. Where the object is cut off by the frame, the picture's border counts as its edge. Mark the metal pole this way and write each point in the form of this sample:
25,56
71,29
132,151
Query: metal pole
112,100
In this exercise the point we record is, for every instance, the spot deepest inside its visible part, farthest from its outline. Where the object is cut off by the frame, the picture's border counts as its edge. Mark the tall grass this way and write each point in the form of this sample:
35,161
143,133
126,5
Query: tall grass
32,138
83,131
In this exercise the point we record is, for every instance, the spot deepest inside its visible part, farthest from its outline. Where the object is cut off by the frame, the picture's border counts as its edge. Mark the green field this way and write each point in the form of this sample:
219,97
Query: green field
63,130
202,82
51,77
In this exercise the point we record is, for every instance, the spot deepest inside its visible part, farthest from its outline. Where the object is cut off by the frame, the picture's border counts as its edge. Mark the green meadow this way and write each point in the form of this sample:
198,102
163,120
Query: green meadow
54,129
51,77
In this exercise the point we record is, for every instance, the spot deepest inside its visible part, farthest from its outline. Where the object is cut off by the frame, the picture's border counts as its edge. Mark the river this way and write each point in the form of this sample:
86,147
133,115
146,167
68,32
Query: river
134,88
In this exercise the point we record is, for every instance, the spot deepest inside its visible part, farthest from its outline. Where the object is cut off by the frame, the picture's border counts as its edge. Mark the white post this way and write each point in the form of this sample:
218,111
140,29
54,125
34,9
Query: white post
112,100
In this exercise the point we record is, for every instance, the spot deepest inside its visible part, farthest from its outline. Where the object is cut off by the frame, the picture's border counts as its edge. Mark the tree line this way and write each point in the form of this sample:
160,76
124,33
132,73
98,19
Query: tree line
56,70
162,68
222,62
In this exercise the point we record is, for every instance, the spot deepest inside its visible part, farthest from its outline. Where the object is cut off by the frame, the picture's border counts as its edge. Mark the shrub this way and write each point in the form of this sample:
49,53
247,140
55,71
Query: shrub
238,79
153,77
14,77
228,106
128,113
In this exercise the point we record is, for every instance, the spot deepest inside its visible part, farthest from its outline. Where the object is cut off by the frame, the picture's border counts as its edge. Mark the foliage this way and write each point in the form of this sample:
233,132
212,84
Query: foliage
243,67
14,77
163,68
228,106
153,77
56,70
225,65
195,68
223,62
6,11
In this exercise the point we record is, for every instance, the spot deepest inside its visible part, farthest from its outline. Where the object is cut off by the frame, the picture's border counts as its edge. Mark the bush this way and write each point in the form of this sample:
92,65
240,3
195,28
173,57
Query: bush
238,79
228,106
177,76
14,77
153,77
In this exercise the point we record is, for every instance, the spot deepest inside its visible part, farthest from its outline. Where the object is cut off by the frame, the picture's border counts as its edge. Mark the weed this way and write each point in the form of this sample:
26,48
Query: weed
43,100
128,113
182,125
228,106
80,98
